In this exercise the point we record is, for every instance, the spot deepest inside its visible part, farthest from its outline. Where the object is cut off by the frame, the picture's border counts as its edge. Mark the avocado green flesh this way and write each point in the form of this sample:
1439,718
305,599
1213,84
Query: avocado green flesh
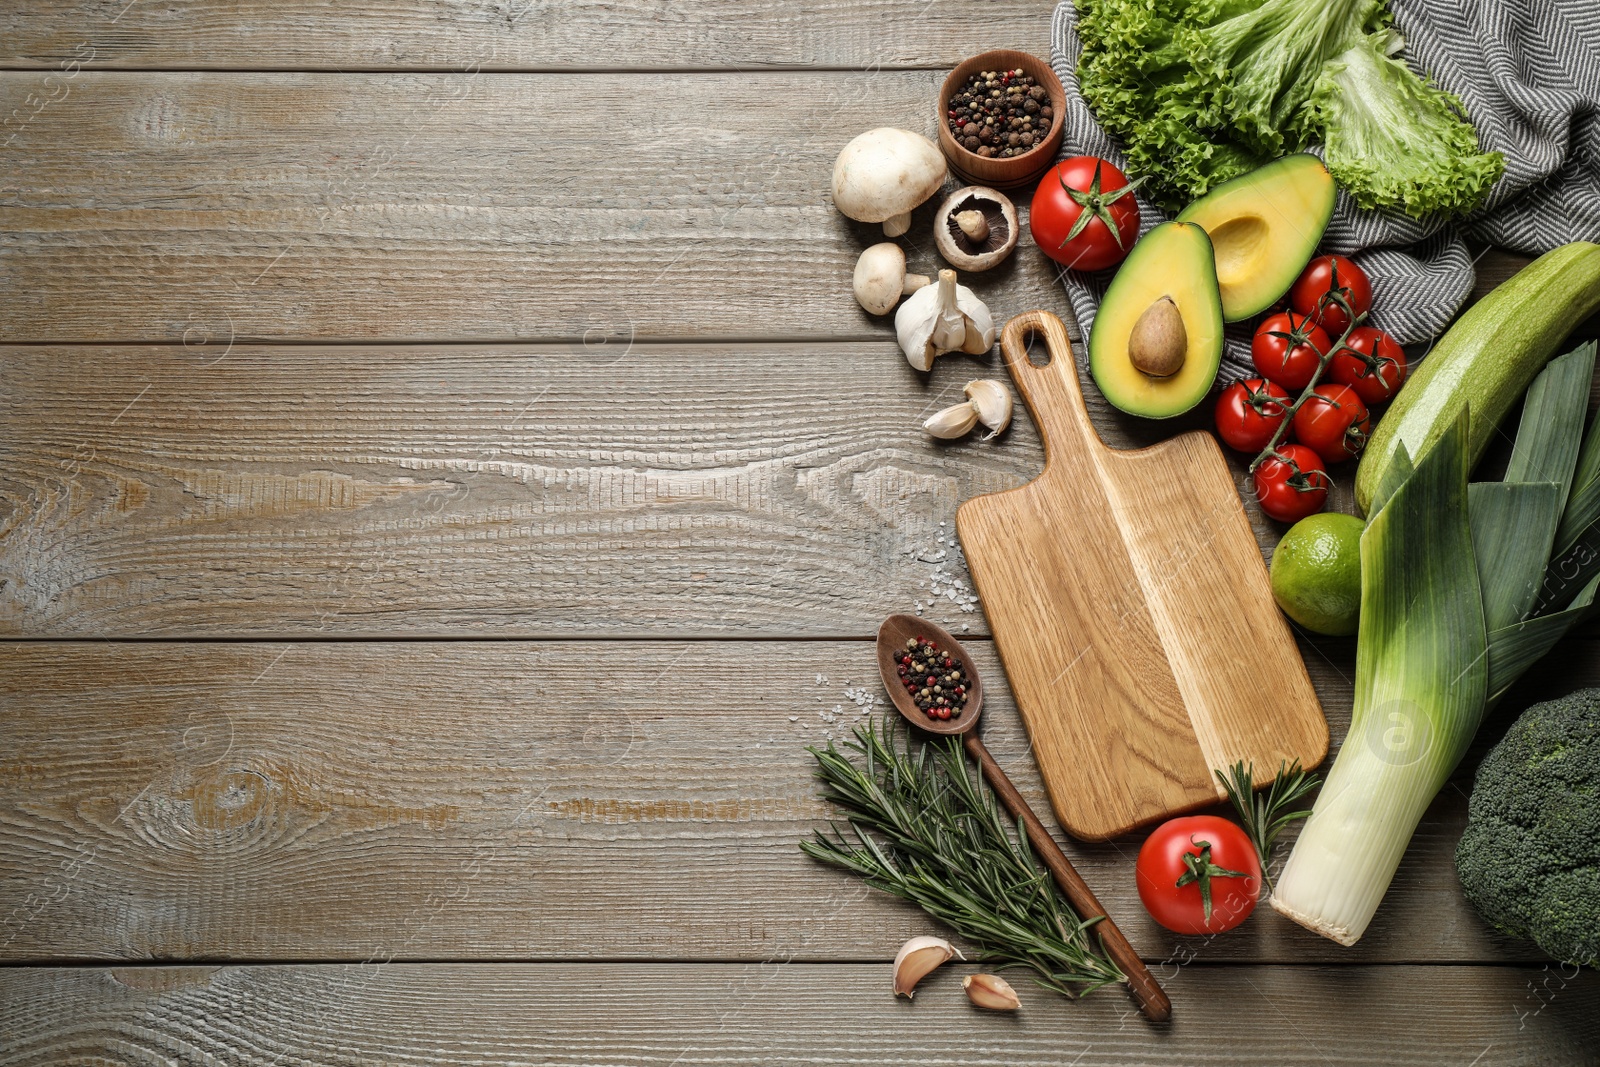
1264,226
1173,260
1486,360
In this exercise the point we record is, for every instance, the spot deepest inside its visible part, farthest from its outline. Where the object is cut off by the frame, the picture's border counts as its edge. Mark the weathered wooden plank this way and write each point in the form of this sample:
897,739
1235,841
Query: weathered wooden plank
541,491
501,800
772,1013
527,35
450,206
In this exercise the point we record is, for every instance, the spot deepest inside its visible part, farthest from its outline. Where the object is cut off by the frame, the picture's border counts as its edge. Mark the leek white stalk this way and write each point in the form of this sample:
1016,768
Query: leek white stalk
1421,684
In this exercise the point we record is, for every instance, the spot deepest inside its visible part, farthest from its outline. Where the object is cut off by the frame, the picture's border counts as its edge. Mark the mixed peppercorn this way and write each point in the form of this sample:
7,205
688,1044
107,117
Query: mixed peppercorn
933,679
1000,113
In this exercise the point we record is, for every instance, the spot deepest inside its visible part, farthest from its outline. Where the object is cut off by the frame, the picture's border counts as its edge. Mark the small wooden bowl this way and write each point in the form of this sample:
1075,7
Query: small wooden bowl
994,172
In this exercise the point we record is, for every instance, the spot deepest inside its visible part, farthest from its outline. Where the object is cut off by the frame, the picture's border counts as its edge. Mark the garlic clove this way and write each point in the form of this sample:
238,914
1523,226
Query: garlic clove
955,421
916,958
980,324
990,991
993,403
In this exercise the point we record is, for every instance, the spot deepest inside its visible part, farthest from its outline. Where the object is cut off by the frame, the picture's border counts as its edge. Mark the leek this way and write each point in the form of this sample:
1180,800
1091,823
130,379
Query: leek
1456,602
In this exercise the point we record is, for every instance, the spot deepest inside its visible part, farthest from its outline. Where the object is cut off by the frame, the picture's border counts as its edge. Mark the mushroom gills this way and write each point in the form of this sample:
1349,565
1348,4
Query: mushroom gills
975,228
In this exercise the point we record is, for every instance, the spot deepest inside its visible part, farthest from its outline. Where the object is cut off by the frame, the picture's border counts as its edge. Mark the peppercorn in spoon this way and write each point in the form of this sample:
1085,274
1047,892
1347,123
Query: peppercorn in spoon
946,697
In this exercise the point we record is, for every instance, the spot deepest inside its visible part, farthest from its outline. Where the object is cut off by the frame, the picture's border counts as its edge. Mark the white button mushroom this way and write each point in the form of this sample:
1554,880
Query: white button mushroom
881,278
885,173
943,318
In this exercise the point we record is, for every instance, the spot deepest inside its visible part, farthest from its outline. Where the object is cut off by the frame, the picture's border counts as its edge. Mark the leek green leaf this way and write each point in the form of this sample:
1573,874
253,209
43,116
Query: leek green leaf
1583,501
1399,469
1583,505
1513,649
1512,526
1551,429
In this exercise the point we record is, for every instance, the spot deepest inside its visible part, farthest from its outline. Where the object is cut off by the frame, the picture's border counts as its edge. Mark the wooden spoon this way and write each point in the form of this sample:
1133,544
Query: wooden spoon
892,637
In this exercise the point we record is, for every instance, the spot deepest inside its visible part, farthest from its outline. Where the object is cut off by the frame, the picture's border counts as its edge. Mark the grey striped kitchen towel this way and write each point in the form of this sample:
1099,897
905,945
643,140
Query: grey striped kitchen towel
1528,74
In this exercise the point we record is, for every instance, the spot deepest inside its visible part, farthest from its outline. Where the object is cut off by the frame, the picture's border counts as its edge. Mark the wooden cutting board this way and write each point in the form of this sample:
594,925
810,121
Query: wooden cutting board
1132,612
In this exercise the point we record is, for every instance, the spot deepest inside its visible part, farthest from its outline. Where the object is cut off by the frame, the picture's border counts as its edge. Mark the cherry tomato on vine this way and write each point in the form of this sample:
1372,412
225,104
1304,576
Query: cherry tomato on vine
1326,274
1249,412
1199,874
1292,483
1333,422
1083,215
1288,348
1371,362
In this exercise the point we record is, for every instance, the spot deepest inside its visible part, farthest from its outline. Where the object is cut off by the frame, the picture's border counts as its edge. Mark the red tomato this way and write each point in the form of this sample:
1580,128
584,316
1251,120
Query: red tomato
1249,412
1371,362
1288,349
1292,483
1326,274
1199,875
1333,422
1083,216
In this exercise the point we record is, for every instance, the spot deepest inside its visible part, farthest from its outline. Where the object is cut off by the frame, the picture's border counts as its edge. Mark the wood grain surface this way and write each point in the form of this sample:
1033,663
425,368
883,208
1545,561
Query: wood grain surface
1123,588
520,35
501,800
552,490
773,1013
439,207
451,206
440,320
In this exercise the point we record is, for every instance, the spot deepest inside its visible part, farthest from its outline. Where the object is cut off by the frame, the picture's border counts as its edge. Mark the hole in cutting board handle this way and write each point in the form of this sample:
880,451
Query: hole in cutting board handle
1035,347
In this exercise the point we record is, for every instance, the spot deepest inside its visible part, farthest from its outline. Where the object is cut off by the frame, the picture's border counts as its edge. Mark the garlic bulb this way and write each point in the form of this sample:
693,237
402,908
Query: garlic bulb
992,401
916,958
944,317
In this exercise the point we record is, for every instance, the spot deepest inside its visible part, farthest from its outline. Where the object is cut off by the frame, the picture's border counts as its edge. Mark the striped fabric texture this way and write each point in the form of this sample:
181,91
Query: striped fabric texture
1528,74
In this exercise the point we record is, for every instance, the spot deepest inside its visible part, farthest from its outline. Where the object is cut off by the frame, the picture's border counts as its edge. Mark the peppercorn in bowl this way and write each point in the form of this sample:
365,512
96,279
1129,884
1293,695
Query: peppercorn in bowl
1000,117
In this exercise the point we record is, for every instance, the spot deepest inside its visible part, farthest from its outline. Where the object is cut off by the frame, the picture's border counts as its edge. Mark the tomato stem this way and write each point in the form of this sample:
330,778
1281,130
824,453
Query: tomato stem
1332,296
1094,204
1200,870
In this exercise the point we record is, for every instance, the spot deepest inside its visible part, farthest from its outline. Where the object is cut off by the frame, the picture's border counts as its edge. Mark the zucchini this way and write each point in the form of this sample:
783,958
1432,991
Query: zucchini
1486,360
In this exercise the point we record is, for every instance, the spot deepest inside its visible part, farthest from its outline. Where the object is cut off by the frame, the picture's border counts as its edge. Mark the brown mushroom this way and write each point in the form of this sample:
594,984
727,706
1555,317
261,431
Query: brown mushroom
975,228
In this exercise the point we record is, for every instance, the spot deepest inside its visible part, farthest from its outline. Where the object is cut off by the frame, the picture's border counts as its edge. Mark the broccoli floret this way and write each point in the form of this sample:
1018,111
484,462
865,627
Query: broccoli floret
1530,858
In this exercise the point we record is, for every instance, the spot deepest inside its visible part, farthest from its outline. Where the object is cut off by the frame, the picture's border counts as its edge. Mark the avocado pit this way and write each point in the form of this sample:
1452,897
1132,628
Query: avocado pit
1159,341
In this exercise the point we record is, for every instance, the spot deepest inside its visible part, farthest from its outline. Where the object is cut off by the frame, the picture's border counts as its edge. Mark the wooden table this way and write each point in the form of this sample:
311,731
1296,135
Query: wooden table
446,485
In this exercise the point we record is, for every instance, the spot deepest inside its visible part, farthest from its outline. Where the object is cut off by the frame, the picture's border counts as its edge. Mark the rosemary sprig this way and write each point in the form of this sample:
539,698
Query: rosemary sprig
1264,815
924,826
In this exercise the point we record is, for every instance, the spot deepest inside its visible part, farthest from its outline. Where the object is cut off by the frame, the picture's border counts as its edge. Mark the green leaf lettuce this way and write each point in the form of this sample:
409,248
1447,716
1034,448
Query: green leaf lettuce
1201,91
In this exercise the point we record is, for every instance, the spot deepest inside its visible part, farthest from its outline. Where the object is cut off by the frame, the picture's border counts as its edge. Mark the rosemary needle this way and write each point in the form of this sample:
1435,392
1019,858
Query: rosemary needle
1264,815
922,825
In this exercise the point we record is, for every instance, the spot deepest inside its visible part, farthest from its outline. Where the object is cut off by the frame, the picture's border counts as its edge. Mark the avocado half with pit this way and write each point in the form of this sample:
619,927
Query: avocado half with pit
1156,343
1264,226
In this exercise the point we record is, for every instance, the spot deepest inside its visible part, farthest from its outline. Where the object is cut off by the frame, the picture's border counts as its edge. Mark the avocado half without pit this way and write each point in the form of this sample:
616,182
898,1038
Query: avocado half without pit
1264,226
1156,342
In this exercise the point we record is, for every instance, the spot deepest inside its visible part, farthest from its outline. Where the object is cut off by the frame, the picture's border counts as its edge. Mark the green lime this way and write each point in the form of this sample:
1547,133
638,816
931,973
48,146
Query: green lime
1316,573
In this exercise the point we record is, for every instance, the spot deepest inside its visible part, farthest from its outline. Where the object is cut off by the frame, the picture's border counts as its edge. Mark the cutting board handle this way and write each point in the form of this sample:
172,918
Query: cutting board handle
1051,391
